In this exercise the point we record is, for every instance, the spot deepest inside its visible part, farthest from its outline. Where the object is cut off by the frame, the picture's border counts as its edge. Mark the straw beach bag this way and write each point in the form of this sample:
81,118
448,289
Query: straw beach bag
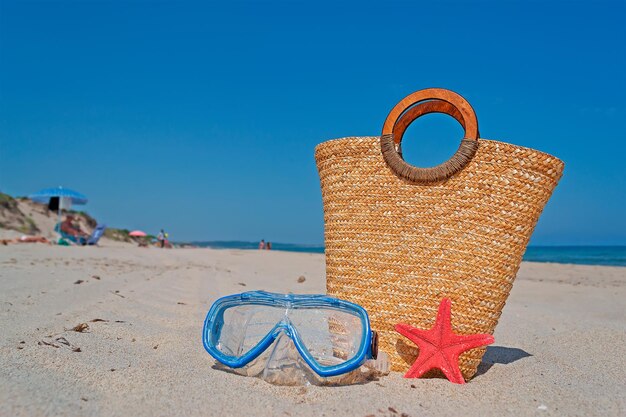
400,238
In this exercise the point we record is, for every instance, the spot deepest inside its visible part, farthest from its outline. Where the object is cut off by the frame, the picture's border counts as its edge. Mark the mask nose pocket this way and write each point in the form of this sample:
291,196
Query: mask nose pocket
284,365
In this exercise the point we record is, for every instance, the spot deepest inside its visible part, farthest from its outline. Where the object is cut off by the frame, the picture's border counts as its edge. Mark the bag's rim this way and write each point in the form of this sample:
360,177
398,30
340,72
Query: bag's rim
506,144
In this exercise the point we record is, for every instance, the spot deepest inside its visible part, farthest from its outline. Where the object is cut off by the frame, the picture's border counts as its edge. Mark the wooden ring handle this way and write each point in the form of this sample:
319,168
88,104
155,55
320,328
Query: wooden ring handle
426,107
403,114
471,123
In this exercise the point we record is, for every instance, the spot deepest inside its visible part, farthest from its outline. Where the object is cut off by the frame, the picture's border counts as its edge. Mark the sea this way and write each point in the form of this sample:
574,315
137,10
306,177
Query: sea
581,255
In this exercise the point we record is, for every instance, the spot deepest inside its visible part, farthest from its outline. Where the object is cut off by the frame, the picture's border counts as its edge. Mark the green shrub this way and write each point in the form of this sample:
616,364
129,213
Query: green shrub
120,235
7,201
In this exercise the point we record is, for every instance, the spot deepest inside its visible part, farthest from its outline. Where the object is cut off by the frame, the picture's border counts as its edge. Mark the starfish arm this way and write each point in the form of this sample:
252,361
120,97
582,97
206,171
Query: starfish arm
443,322
424,363
450,368
417,336
467,342
405,330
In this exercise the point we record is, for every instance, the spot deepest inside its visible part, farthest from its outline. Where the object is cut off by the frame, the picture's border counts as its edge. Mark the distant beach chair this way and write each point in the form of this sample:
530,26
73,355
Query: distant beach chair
97,234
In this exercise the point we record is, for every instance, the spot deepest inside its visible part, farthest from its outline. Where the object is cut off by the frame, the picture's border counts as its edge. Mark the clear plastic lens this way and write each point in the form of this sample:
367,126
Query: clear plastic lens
245,326
332,337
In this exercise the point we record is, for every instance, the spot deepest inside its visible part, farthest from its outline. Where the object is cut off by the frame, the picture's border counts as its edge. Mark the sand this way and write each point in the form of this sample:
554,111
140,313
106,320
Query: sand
560,345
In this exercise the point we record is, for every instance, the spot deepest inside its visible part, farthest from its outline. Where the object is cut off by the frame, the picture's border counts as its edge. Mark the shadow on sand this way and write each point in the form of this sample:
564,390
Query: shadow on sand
500,355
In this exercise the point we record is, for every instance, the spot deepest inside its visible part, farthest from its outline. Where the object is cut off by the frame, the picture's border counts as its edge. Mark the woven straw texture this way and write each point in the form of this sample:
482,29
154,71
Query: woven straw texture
398,247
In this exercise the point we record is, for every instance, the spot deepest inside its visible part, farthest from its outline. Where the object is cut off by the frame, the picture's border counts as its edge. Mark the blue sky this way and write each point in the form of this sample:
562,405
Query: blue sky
202,117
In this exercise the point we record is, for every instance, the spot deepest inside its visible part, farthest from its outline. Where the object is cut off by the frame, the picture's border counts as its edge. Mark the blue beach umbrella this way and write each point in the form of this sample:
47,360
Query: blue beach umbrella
44,196
66,197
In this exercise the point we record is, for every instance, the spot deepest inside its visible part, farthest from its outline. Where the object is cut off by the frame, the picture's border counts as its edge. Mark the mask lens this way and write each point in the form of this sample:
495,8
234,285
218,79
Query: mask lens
245,326
332,337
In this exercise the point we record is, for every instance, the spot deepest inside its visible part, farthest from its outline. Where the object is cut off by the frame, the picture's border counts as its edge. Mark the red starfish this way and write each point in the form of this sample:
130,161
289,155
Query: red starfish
440,347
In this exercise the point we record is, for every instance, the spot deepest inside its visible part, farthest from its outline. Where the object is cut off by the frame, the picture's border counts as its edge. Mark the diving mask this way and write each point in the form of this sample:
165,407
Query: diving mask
330,335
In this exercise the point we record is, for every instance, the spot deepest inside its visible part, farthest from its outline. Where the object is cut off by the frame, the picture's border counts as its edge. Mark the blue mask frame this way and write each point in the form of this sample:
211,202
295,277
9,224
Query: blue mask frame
215,320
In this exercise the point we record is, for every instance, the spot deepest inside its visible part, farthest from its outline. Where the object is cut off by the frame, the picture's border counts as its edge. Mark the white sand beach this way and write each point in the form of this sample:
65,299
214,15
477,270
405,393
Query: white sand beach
560,345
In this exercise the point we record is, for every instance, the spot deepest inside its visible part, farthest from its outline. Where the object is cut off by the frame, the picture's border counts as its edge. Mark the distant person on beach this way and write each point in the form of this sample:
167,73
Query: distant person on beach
161,238
72,229
32,239
68,227
262,244
268,246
